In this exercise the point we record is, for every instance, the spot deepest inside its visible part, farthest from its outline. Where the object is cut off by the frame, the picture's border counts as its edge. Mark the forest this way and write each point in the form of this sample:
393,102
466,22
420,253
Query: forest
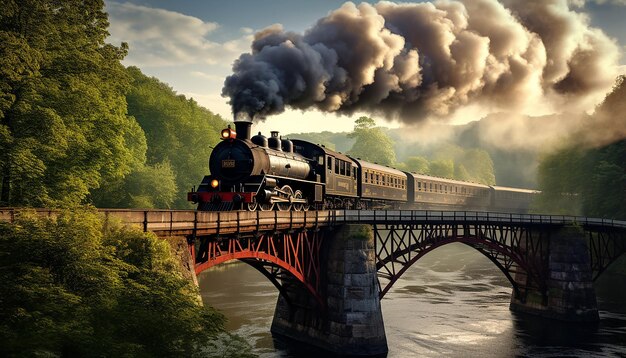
78,130
77,127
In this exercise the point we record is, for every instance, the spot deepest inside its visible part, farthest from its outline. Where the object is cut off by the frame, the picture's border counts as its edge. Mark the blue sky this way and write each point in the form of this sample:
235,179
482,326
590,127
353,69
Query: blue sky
191,44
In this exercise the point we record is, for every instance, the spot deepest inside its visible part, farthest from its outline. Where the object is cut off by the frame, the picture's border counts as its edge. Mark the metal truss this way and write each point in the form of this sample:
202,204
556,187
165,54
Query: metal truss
605,247
520,253
276,255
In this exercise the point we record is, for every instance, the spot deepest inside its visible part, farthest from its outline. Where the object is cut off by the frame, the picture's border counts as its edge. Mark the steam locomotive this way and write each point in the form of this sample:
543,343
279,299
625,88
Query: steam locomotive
260,173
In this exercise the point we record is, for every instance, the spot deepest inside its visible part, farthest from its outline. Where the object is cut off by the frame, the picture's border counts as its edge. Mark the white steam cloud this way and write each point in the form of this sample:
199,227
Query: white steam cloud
411,61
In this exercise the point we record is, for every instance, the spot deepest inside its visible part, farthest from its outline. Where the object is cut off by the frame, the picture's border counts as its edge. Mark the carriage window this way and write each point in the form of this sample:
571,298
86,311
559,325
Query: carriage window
330,163
377,179
431,186
419,186
354,172
342,167
440,188
337,166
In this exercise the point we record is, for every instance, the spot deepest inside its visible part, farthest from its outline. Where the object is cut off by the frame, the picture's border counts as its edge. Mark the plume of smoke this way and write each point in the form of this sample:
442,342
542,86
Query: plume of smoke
411,61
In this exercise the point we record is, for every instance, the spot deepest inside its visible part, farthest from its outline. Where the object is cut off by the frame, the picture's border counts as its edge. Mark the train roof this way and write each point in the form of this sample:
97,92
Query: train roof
449,181
327,151
517,190
378,167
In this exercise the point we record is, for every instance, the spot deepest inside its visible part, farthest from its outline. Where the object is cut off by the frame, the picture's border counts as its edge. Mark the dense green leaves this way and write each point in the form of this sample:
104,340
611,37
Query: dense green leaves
586,179
372,144
177,129
63,120
70,288
581,181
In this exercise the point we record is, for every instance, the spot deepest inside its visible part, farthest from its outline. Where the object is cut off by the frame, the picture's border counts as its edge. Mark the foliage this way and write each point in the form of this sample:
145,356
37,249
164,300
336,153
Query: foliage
145,187
453,162
580,181
442,168
178,131
63,123
372,144
590,181
417,164
71,288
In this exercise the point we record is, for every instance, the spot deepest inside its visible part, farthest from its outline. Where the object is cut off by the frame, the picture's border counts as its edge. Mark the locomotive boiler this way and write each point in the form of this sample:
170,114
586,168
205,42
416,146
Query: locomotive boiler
254,173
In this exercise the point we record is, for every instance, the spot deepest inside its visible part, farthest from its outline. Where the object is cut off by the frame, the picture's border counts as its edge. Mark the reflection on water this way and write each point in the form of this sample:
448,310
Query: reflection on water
453,302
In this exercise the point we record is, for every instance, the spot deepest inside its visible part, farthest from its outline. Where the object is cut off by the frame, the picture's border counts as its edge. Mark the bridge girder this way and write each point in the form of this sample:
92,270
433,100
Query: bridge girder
514,250
276,254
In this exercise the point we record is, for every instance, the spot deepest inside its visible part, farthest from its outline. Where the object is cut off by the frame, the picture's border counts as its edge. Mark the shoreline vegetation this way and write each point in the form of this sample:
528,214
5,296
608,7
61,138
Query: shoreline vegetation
72,287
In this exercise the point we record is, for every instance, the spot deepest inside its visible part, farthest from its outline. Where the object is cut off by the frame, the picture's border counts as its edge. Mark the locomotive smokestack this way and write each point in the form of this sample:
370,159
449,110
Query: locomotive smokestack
243,129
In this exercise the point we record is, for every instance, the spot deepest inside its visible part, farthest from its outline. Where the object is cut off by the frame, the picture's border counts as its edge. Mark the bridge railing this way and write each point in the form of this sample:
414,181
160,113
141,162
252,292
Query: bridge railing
186,222
430,216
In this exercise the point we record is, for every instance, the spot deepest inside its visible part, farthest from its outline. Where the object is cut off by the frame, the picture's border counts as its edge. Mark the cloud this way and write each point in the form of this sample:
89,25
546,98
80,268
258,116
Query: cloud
412,61
207,76
159,37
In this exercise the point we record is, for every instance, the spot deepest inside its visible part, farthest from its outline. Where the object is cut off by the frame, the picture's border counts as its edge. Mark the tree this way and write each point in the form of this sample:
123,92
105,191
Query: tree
371,144
147,186
63,123
442,168
178,131
417,164
588,177
70,287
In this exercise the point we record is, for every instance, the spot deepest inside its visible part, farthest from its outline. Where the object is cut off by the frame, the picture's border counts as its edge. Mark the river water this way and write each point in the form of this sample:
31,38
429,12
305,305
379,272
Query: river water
453,302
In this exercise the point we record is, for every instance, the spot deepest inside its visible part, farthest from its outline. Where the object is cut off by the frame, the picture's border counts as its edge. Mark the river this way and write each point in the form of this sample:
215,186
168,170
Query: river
453,302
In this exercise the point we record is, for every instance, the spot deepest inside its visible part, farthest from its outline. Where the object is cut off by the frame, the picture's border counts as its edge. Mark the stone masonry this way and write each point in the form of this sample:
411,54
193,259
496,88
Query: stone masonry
352,324
570,292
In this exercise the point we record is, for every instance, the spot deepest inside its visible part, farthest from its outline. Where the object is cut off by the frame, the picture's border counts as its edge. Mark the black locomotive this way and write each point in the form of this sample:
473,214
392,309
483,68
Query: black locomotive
260,173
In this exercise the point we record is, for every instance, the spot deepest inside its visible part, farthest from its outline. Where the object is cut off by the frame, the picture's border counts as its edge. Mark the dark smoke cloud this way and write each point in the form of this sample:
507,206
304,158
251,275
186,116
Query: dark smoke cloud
408,61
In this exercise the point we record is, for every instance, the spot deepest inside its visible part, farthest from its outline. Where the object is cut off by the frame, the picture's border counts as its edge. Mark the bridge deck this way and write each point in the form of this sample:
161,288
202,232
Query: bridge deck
188,222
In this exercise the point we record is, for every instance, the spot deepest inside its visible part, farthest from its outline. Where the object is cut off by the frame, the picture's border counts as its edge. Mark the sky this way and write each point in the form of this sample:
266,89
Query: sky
192,44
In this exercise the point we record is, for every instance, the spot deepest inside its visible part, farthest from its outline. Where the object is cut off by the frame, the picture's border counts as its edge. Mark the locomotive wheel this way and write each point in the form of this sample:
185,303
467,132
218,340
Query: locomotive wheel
288,195
266,206
253,206
298,206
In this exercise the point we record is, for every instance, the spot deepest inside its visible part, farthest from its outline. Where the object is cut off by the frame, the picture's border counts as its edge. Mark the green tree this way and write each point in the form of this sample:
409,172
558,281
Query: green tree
417,164
72,288
587,178
63,123
442,168
147,186
372,144
177,129
559,178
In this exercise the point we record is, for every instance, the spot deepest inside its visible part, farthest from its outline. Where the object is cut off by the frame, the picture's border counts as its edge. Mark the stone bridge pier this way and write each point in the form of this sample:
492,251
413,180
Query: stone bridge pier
351,323
567,292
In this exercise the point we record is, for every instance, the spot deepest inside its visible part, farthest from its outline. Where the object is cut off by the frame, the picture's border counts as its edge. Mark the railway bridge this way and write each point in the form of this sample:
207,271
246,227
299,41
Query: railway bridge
333,267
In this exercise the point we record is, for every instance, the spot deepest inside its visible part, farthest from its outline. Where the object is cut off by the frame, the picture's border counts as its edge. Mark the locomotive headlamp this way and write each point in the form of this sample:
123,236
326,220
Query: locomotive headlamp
214,183
228,133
